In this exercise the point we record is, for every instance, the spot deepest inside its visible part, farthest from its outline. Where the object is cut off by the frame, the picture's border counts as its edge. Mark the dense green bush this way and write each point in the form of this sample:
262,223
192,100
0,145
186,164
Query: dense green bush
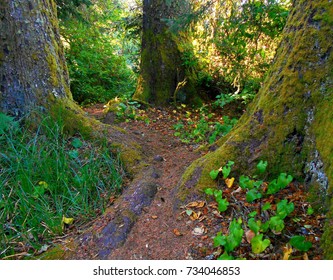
94,49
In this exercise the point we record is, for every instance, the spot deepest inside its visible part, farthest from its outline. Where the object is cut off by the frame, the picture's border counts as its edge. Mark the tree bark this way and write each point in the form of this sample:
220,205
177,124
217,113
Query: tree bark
162,68
289,123
32,65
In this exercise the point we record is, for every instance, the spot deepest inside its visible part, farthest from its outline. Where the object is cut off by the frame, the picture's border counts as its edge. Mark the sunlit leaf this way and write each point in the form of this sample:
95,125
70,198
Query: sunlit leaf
229,182
287,250
213,174
261,166
258,244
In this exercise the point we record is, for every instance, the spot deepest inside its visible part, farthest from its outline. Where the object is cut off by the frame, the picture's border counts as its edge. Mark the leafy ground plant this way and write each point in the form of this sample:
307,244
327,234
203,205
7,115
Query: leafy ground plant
266,223
49,181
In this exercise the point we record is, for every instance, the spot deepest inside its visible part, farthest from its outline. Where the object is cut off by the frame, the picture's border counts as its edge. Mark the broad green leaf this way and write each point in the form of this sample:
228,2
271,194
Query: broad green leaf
258,245
213,174
245,182
227,169
283,208
266,206
310,211
284,180
276,224
222,204
209,191
77,143
225,256
261,166
252,195
252,214
273,187
254,225
300,243
219,240
73,154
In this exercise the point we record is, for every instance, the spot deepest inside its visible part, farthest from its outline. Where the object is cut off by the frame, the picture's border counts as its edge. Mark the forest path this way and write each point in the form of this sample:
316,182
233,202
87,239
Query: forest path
160,232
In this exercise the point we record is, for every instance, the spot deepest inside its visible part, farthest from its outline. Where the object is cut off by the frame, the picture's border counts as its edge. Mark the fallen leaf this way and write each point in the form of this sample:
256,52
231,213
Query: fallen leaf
154,217
287,250
192,204
194,216
177,232
249,235
229,182
305,256
201,204
67,221
189,212
198,231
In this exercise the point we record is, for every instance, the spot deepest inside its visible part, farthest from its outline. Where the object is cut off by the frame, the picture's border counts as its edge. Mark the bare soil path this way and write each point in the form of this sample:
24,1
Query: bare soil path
160,232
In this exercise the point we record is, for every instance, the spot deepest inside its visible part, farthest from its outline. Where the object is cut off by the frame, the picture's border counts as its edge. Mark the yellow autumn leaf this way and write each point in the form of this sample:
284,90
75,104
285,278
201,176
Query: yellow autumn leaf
229,182
287,250
43,184
67,221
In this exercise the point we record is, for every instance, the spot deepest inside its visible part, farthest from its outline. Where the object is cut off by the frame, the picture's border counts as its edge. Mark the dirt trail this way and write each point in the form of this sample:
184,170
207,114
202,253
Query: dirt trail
158,232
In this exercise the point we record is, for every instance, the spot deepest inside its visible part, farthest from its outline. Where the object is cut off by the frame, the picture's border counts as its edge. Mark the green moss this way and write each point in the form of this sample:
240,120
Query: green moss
53,69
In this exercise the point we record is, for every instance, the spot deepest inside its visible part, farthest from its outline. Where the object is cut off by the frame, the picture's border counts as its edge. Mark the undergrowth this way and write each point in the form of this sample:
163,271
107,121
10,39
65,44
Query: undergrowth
49,181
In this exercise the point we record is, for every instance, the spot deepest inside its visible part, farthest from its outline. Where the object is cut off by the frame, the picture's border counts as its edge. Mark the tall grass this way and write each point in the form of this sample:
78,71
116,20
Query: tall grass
46,177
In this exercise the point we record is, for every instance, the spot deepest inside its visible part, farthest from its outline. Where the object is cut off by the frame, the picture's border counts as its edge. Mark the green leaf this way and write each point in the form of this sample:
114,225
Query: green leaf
284,180
73,154
252,214
6,122
219,240
222,204
283,208
227,169
266,206
252,195
225,256
300,243
276,224
209,191
261,166
213,174
310,211
245,182
254,225
77,143
258,245
273,187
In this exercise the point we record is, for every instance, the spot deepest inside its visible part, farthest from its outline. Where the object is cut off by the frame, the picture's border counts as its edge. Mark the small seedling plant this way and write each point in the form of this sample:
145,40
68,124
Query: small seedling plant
263,225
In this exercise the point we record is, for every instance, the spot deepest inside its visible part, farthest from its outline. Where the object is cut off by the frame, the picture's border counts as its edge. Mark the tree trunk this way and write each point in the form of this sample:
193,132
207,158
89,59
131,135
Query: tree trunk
163,75
32,65
289,123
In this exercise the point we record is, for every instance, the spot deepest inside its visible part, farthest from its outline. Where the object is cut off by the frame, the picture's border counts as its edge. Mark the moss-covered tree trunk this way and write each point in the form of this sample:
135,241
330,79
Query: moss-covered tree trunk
290,122
33,72
162,68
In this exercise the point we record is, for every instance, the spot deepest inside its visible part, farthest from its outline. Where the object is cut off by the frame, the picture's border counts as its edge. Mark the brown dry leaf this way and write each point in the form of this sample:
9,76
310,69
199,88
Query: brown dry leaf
229,182
249,235
154,217
194,216
287,250
192,204
177,232
201,204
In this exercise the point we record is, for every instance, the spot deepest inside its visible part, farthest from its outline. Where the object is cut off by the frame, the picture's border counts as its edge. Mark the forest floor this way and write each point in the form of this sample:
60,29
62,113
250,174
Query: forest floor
165,230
